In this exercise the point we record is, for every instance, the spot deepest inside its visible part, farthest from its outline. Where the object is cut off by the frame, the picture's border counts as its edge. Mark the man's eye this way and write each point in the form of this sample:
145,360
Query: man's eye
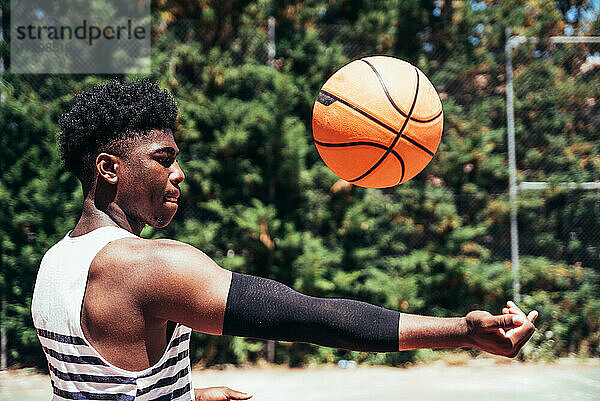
166,161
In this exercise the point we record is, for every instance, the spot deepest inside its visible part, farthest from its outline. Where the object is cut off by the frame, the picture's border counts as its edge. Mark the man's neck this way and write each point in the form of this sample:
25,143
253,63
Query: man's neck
110,215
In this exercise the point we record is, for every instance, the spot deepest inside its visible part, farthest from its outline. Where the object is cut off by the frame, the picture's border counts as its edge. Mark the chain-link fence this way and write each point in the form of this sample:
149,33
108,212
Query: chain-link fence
557,120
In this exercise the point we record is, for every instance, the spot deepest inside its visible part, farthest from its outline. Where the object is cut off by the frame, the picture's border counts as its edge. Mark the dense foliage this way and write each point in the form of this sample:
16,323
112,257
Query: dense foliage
258,199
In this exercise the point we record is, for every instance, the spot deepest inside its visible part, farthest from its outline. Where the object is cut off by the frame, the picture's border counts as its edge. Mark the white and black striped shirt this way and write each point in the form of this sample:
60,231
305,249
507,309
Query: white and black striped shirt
77,370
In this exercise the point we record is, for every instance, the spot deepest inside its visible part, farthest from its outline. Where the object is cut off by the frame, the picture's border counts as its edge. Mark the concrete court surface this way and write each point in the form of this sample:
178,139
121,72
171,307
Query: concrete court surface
477,380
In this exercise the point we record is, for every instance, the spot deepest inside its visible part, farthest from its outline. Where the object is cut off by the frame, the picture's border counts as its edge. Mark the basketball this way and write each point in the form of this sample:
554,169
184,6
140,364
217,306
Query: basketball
377,122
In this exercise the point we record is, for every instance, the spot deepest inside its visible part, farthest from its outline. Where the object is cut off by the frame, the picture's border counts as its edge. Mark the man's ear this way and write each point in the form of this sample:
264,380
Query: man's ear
108,166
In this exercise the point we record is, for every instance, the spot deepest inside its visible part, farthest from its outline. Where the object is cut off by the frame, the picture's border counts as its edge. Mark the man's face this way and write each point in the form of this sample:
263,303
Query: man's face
148,187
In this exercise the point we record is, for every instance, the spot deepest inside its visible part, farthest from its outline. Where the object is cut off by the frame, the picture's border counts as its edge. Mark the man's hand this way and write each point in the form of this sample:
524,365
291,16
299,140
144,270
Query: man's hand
219,394
501,335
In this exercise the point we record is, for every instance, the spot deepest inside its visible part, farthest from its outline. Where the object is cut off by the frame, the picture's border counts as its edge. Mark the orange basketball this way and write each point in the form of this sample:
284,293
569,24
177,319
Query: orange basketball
377,122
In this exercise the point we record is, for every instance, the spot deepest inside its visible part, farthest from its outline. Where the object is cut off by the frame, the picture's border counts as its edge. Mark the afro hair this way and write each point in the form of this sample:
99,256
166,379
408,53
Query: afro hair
105,118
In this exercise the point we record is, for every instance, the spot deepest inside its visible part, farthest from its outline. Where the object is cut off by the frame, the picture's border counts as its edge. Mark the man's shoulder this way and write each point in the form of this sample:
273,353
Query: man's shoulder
150,258
135,250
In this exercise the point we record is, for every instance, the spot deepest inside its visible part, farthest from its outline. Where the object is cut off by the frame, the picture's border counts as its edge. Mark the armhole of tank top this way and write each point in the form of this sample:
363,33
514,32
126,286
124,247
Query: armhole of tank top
89,344
80,320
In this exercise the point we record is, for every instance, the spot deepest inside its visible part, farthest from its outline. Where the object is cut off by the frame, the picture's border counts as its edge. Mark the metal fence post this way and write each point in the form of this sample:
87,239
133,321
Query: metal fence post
512,168
271,48
3,339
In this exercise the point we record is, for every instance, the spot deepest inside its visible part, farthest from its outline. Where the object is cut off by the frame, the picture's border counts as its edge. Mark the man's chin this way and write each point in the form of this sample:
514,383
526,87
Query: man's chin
160,225
162,221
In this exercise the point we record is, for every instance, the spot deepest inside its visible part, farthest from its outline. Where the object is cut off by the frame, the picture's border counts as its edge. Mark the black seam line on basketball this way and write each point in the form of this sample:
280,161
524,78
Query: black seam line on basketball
418,145
374,144
348,144
398,109
428,120
375,120
364,113
387,152
403,169
385,88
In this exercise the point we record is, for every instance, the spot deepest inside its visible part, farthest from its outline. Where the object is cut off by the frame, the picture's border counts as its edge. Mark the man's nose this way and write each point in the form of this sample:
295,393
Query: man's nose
177,175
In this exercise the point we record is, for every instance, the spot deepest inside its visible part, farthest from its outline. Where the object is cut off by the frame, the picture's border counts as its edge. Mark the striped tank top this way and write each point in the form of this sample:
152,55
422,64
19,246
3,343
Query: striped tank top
77,370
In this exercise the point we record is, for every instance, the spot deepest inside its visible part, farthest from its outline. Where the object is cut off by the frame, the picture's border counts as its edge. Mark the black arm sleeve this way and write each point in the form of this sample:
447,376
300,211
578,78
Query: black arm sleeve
263,308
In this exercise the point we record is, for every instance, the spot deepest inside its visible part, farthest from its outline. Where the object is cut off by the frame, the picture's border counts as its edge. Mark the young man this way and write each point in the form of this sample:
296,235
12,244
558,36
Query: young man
114,312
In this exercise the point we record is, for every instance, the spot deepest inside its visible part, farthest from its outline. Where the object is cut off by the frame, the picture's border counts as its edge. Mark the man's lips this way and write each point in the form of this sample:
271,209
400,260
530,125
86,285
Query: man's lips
171,198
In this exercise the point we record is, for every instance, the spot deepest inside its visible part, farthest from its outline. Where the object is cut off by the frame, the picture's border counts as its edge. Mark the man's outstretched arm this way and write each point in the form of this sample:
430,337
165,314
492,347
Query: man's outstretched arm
263,308
186,286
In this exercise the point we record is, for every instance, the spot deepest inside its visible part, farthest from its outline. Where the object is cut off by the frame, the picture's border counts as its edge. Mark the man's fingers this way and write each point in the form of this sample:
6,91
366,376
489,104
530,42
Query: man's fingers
532,316
237,395
524,331
521,335
506,321
514,308
219,394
